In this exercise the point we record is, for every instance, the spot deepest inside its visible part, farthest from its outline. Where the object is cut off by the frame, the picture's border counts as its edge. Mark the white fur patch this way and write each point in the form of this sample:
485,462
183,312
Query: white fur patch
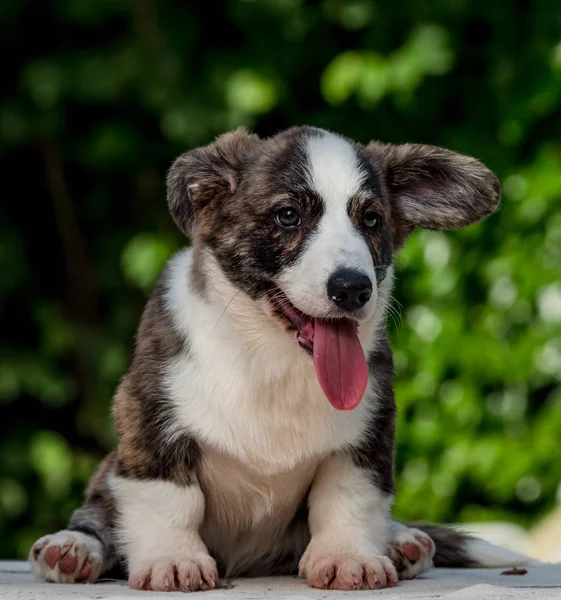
336,176
492,556
350,528
347,513
334,170
158,520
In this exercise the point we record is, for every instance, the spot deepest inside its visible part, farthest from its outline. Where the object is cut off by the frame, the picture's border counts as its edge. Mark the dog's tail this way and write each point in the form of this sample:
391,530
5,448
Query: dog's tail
455,548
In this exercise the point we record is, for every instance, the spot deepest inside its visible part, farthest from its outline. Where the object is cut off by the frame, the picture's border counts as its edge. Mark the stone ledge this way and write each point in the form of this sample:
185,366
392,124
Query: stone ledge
543,583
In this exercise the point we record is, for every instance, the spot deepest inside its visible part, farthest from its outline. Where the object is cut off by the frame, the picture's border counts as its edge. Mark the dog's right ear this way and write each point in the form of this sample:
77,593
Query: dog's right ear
206,175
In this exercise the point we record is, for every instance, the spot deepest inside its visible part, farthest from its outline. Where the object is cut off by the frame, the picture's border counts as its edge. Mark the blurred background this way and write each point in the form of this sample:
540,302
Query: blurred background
100,96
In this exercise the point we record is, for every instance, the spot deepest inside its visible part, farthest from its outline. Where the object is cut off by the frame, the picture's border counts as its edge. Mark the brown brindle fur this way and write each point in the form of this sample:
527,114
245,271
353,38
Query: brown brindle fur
415,170
229,226
140,412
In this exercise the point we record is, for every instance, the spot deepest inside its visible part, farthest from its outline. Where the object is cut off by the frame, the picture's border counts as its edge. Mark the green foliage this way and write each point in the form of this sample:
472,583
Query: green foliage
101,95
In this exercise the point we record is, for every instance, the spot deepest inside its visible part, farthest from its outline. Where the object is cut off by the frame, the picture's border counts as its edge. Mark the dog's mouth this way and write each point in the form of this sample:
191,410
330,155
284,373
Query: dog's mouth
337,353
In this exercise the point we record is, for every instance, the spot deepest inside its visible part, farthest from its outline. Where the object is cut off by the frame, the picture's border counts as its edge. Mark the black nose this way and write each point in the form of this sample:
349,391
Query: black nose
349,289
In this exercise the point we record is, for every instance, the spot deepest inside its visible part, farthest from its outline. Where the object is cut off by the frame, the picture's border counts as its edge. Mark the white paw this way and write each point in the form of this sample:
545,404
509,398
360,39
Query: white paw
175,573
411,551
348,571
67,557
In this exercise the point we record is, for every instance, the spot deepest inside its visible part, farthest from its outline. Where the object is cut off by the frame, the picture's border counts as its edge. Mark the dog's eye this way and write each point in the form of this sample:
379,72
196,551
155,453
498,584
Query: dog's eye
371,219
288,217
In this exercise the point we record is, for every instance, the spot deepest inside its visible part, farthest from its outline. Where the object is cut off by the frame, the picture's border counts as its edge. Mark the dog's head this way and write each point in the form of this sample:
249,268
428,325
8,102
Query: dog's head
306,223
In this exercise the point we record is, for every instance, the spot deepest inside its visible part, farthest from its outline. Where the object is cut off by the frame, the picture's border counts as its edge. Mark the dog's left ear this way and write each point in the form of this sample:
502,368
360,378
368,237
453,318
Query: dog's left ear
435,188
206,175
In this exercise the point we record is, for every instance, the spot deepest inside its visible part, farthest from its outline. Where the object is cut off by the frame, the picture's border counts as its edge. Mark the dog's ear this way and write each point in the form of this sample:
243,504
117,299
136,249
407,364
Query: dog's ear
205,175
435,188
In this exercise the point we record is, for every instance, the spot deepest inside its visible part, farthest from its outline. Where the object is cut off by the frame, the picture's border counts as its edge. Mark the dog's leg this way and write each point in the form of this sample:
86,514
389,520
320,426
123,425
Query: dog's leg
350,528
159,532
86,549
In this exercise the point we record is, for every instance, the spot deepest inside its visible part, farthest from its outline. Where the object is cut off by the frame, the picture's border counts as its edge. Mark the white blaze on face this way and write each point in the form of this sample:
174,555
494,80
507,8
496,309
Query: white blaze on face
335,174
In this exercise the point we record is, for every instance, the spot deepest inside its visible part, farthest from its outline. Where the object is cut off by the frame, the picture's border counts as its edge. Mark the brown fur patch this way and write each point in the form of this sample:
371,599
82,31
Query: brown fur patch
237,223
434,188
206,175
141,410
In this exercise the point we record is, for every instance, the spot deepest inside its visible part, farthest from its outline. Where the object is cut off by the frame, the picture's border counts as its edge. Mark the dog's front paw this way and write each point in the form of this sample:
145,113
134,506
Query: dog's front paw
67,557
348,571
411,551
175,573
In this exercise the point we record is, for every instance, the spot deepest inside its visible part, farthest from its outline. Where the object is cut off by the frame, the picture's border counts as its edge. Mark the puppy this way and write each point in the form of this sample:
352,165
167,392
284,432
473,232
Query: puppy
256,421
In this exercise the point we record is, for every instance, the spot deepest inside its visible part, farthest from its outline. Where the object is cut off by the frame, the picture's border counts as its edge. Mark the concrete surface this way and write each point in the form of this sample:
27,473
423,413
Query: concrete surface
544,583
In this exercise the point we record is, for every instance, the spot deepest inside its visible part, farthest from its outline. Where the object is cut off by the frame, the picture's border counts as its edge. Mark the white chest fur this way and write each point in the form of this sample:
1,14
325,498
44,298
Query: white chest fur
244,387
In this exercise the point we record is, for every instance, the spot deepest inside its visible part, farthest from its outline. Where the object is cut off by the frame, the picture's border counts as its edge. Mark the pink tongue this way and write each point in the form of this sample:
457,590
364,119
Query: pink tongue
340,363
